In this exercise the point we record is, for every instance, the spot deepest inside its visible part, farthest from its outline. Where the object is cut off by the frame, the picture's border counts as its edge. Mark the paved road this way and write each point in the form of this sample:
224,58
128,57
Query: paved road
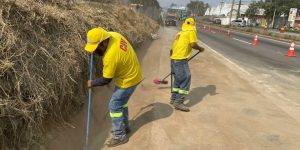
220,119
267,63
268,54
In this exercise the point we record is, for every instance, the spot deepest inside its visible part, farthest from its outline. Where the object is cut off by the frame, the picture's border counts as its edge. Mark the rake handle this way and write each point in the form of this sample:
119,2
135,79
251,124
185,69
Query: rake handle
89,104
188,61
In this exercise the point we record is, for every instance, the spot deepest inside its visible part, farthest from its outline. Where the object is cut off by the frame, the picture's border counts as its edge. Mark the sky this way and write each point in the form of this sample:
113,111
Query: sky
167,3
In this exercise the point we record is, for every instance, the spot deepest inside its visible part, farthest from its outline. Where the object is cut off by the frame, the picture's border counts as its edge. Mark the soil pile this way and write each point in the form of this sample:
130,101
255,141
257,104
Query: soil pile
43,67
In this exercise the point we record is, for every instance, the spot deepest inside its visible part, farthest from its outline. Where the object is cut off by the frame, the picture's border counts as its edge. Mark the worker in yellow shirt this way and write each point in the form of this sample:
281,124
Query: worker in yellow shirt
121,63
185,41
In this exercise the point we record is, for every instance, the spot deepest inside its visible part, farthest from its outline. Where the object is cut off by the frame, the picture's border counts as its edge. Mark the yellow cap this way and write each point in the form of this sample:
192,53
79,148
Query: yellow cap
94,37
189,24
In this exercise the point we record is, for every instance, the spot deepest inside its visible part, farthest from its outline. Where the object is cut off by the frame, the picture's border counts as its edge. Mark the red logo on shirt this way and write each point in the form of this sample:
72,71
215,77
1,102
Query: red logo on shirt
123,45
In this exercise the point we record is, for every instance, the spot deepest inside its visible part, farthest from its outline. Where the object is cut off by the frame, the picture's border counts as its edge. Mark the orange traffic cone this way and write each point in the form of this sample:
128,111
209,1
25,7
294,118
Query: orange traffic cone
255,41
228,34
291,51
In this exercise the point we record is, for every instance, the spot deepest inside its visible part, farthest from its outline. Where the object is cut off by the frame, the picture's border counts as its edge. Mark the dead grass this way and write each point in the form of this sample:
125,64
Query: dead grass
42,65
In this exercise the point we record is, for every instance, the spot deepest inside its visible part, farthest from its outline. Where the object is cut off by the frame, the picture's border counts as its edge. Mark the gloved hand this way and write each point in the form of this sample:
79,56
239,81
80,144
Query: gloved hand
202,49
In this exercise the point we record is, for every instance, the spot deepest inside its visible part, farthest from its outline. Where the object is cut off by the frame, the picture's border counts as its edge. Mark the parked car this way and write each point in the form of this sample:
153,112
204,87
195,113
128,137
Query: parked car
171,21
294,28
238,23
217,21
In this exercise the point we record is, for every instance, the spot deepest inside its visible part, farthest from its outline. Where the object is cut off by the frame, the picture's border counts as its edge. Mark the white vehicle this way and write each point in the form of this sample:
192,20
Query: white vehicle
238,23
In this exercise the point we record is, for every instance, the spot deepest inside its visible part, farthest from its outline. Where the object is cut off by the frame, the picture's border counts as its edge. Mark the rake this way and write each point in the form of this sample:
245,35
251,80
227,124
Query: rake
164,81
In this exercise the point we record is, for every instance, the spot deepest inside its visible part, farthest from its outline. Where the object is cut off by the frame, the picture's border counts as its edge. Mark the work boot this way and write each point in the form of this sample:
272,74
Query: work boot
116,142
127,130
181,106
171,102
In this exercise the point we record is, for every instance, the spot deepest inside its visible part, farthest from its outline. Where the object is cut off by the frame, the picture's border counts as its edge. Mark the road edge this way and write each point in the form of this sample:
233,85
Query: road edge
282,102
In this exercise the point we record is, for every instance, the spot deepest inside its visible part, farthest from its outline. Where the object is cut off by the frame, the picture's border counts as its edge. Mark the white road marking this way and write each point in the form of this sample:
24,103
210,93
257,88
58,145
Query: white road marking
242,41
290,107
231,62
278,41
261,37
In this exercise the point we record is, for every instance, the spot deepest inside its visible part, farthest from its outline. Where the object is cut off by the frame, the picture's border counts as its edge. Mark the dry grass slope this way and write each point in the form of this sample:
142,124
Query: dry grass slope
42,64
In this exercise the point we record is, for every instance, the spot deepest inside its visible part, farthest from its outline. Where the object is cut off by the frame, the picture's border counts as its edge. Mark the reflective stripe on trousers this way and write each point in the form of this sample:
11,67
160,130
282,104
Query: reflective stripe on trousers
182,79
118,107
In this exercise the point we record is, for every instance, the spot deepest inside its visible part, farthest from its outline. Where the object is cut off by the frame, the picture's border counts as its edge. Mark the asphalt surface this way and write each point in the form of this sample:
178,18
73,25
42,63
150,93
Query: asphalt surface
269,54
266,63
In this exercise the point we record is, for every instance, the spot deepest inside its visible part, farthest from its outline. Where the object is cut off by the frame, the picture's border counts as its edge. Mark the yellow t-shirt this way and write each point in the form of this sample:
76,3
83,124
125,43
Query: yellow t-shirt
181,46
121,63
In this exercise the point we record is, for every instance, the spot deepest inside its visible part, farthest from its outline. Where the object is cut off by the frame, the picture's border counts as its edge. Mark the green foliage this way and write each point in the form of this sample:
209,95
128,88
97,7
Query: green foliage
198,7
281,6
254,9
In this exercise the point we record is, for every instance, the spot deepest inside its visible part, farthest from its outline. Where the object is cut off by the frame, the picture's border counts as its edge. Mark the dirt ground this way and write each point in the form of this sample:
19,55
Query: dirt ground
227,112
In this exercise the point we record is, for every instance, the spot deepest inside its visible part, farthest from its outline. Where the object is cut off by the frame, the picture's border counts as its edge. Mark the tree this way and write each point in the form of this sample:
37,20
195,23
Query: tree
173,5
281,6
197,7
254,8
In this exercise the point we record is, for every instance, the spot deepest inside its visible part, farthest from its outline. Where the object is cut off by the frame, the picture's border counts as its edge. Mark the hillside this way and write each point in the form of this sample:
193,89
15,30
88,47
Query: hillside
43,67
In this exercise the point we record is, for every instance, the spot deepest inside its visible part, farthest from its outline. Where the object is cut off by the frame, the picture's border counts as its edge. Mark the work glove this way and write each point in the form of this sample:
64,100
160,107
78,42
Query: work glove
202,49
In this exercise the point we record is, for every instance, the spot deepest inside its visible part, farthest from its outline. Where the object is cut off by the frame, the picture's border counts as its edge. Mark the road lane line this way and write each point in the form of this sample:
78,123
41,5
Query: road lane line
279,41
228,60
266,38
287,105
242,41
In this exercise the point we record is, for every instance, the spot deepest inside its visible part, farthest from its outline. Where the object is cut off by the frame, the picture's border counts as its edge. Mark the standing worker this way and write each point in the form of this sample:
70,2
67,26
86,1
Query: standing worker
121,63
185,41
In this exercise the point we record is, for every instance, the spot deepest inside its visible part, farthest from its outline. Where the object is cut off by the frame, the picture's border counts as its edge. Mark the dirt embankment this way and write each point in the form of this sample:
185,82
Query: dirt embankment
43,66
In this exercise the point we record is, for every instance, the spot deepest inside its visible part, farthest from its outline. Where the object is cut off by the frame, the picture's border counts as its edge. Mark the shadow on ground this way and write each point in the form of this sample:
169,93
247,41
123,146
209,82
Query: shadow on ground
197,94
150,113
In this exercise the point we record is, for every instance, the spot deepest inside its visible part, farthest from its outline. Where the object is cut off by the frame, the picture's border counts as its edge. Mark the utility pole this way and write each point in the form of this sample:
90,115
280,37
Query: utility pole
273,19
274,14
239,9
222,2
233,1
197,2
